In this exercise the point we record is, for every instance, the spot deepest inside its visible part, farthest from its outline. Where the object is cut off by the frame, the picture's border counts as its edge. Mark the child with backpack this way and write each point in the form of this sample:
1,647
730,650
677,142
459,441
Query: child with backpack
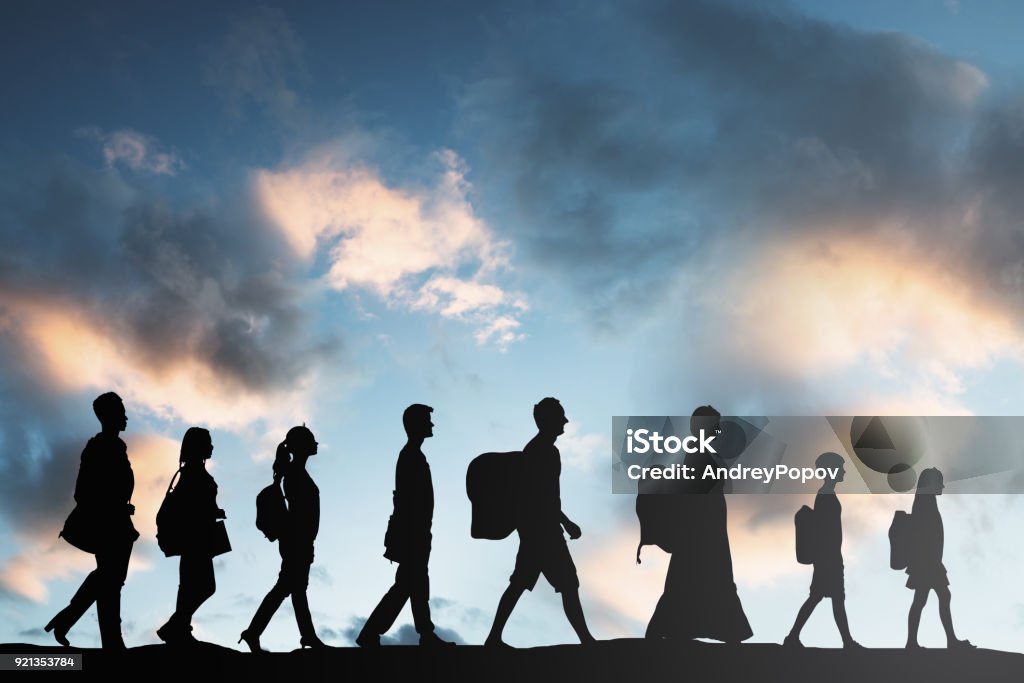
825,537
924,560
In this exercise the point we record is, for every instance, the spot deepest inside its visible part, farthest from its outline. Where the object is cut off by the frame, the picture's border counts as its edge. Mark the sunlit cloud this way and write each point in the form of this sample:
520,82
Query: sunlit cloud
78,353
818,307
410,246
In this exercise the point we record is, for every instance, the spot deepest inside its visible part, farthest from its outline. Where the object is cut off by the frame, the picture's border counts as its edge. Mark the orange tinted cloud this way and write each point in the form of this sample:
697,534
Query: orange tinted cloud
78,353
810,307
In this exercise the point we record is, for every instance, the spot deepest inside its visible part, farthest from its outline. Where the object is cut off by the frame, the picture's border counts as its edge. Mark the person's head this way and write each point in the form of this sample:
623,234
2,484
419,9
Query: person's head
300,441
109,409
832,461
196,446
417,422
930,481
706,418
550,416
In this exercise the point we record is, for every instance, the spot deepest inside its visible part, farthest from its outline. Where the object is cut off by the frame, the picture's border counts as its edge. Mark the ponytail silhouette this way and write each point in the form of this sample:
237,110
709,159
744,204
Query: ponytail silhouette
296,541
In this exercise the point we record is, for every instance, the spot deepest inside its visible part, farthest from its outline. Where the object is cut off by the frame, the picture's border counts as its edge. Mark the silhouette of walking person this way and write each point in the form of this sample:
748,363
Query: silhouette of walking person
407,540
196,493
925,569
700,598
101,524
296,541
827,580
542,546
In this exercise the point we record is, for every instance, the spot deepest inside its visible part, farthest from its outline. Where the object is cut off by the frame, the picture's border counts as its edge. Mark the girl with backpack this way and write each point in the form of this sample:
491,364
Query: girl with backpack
296,540
201,535
925,569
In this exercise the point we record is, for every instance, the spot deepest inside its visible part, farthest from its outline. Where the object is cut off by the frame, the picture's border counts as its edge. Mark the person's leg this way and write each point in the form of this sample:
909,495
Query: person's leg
801,618
80,603
560,571
112,565
914,617
946,615
175,628
387,610
196,585
298,584
268,607
574,613
206,584
505,606
839,612
418,581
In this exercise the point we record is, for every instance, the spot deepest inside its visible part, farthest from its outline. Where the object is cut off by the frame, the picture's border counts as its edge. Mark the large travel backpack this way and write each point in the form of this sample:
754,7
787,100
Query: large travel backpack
901,536
806,535
271,512
492,484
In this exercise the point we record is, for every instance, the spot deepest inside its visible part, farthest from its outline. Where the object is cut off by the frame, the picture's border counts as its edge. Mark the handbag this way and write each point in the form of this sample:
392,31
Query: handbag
80,531
219,542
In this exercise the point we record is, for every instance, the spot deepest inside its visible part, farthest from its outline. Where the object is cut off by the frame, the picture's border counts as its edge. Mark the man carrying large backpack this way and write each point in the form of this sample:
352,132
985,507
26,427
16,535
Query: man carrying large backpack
542,546
407,540
827,555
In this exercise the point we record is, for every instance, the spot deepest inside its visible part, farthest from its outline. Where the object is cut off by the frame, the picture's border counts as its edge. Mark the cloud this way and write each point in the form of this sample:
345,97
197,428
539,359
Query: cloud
256,63
104,286
167,299
137,151
730,121
418,248
582,450
667,192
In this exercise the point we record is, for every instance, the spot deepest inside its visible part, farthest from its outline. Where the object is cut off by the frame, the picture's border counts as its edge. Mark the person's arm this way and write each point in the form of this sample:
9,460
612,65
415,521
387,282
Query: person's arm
570,526
404,485
86,484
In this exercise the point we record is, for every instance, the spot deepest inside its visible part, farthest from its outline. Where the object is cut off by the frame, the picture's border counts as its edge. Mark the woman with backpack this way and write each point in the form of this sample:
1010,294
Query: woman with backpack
299,530
201,534
924,567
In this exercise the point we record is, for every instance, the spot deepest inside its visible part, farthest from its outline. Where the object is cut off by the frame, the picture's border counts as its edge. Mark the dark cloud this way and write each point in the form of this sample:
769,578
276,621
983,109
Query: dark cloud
167,282
675,126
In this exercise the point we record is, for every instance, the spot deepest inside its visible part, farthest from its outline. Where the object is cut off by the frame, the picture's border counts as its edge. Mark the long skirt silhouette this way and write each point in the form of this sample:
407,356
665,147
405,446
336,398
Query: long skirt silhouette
700,599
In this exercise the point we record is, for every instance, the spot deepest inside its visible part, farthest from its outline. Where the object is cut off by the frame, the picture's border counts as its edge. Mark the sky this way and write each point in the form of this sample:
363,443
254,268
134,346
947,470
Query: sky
250,217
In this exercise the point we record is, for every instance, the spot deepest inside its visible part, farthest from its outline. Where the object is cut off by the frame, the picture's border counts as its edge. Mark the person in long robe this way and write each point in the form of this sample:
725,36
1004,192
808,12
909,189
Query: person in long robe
700,598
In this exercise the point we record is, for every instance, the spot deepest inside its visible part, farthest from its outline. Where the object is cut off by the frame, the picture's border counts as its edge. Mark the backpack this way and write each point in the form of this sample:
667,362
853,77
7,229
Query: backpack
170,524
659,514
901,535
492,484
271,512
806,535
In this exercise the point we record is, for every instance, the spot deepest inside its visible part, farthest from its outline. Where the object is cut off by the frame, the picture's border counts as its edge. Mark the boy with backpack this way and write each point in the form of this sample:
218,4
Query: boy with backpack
827,542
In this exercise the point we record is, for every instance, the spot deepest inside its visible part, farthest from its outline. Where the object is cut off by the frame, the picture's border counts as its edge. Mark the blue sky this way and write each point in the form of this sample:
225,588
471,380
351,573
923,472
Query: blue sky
250,217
